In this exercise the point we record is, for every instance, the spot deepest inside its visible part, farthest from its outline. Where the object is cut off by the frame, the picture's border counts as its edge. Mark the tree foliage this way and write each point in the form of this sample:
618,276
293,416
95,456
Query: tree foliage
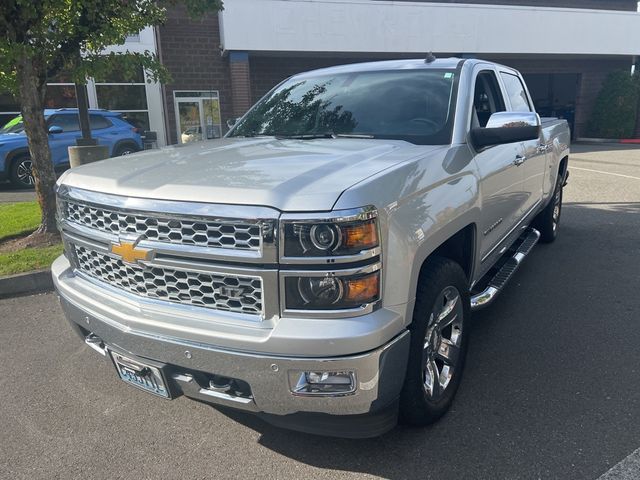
616,108
70,35
41,39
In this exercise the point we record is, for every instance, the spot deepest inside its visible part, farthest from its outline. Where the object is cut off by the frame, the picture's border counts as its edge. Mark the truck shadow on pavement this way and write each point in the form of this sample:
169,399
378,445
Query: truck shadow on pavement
551,387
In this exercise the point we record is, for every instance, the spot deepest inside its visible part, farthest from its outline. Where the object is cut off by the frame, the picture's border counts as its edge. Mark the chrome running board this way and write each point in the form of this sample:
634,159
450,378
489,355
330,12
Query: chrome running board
501,278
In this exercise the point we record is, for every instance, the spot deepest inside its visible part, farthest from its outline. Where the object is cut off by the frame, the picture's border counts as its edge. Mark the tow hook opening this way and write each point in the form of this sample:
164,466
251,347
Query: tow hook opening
213,385
96,343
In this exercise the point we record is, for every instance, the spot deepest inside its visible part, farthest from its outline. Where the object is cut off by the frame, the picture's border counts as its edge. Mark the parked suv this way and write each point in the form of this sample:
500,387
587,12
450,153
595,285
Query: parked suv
107,127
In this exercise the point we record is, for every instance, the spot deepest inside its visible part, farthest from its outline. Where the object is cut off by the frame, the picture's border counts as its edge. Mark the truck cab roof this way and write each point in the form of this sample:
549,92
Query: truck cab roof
450,63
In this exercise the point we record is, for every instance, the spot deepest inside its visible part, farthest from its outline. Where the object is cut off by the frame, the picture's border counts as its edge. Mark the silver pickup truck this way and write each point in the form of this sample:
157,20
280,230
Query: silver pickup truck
318,266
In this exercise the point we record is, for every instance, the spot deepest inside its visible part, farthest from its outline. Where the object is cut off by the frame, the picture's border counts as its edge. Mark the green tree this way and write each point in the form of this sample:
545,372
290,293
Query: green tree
40,39
616,108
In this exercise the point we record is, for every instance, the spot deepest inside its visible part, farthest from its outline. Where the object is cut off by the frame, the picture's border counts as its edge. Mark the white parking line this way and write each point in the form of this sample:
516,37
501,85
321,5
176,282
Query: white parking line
627,469
571,167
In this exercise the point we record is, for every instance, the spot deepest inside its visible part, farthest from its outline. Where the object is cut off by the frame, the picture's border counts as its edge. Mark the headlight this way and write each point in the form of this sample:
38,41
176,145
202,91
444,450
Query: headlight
331,291
343,235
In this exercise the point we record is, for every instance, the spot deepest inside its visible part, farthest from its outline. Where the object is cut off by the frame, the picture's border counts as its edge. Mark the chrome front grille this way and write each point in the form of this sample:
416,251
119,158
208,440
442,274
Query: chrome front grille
233,293
230,234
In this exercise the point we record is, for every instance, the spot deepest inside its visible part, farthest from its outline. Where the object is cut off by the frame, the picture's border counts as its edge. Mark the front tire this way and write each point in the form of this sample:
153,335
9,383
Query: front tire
21,173
438,343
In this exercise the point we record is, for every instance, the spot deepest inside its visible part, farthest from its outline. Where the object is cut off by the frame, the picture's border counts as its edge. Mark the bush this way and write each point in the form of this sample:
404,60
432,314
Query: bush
616,108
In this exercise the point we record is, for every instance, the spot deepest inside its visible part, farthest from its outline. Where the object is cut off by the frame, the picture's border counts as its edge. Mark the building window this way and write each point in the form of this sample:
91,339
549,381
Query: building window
60,95
127,95
9,108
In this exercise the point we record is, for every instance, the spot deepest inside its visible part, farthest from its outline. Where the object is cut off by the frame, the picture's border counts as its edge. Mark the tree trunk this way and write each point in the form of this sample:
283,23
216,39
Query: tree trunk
32,86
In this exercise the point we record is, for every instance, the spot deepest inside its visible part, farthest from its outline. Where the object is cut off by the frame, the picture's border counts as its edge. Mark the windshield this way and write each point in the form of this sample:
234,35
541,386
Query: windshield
13,126
412,105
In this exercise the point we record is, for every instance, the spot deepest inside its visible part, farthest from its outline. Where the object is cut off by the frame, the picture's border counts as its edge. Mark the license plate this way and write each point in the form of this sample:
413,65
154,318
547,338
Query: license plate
141,375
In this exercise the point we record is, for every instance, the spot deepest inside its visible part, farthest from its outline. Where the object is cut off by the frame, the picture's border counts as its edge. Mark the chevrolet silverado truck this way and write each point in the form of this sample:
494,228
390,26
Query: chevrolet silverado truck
318,266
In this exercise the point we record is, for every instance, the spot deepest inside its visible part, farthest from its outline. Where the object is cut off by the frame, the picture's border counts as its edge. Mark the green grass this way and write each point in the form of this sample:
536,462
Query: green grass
18,219
28,259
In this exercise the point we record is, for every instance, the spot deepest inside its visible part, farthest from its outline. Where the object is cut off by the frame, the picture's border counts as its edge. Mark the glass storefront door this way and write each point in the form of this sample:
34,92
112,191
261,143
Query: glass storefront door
197,115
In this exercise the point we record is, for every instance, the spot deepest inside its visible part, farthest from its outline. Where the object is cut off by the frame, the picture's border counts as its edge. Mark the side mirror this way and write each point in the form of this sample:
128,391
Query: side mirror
53,129
231,122
507,127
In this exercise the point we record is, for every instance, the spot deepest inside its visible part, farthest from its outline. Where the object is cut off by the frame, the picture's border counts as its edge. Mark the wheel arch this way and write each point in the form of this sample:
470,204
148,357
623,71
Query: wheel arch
460,247
13,155
125,142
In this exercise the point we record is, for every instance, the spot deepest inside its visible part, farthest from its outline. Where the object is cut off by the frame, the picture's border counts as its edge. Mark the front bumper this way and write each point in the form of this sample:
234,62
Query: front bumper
379,372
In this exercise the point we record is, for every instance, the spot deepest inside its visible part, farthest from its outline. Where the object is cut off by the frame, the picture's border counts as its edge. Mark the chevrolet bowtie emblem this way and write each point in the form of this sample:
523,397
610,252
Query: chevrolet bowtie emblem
130,253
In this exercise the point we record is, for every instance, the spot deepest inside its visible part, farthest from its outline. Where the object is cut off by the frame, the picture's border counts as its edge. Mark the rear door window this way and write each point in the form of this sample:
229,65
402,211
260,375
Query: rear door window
97,122
517,93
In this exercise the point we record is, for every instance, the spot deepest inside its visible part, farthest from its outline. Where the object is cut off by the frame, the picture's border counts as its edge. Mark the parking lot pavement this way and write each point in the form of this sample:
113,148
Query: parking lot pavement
551,390
9,194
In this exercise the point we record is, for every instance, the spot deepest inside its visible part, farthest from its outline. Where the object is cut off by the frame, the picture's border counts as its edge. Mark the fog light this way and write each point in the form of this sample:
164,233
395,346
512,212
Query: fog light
325,383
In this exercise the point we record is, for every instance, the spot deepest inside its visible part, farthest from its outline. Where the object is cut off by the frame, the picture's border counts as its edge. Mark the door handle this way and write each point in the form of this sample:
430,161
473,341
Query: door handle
519,160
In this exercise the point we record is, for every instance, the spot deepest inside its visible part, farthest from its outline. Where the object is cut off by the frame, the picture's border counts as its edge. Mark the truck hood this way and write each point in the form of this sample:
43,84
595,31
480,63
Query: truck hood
290,175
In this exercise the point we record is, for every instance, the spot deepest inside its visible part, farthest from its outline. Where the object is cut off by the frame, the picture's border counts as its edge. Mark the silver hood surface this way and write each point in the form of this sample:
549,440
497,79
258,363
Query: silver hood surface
290,175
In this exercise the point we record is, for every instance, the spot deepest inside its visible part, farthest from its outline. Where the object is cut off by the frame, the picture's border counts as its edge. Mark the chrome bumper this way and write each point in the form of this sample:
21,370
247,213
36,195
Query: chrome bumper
379,373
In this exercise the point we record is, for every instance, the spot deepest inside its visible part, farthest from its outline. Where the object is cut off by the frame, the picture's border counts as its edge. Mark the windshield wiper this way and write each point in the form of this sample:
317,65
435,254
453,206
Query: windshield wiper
311,136
353,135
304,136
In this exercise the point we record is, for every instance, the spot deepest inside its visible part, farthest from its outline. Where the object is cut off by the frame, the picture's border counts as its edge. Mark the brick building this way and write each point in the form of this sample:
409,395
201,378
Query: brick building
564,48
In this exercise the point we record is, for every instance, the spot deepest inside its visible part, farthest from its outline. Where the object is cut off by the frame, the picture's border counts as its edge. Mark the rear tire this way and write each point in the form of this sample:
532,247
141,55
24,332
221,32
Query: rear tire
548,220
438,342
125,149
21,172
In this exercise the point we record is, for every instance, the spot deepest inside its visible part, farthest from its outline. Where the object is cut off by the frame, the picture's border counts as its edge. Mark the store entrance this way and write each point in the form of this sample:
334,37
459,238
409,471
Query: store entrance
197,115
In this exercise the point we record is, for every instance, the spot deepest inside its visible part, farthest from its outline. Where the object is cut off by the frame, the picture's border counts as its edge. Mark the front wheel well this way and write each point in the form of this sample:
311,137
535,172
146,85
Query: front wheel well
16,154
125,143
458,248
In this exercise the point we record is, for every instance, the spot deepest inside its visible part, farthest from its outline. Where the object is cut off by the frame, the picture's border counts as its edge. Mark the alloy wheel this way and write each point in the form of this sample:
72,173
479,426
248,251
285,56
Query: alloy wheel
442,343
24,173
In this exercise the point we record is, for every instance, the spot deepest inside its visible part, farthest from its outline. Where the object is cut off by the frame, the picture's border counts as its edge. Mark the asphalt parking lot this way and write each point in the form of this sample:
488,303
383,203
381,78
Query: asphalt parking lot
9,193
551,388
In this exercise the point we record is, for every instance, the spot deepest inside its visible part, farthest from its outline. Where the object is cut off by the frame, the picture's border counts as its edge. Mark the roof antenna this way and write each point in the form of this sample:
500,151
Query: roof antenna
430,58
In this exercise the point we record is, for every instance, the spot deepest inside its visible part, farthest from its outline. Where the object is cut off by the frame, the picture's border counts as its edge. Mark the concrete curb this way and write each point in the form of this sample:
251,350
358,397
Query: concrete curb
26,283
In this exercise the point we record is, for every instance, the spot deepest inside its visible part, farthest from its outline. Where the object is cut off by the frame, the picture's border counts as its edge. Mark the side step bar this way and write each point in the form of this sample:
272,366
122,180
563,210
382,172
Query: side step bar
502,277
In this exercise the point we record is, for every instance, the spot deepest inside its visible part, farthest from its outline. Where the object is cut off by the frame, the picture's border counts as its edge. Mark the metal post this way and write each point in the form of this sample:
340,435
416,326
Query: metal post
83,117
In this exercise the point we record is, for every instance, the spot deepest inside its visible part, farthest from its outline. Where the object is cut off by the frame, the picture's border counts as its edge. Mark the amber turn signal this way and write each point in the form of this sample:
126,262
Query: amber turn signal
361,235
363,289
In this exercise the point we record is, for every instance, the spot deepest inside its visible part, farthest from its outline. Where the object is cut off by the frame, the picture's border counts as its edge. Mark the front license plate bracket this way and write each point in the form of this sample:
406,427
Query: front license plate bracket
140,374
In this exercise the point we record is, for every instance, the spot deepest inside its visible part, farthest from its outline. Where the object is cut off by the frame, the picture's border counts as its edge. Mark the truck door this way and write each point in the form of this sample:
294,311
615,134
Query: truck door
534,166
501,181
